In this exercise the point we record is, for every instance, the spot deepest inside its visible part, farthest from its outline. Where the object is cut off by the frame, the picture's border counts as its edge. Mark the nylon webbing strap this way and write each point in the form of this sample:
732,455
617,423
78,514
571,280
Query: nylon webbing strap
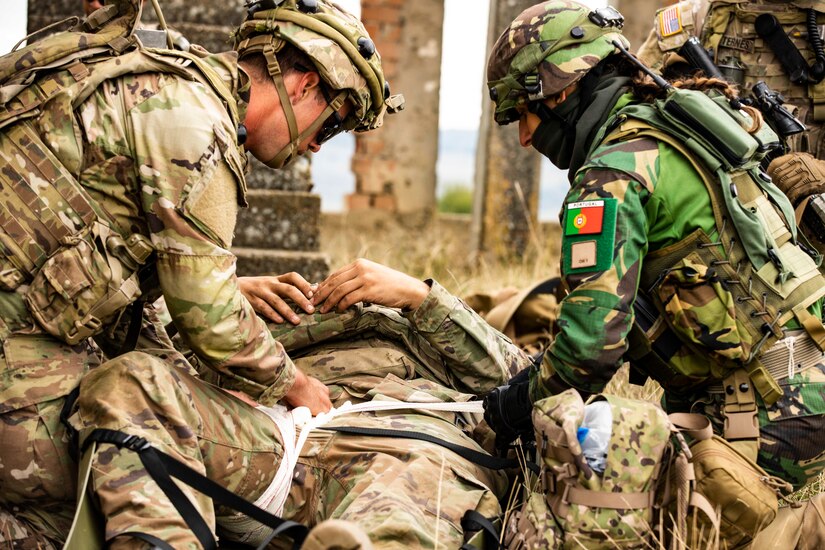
473,521
163,467
476,457
695,425
614,501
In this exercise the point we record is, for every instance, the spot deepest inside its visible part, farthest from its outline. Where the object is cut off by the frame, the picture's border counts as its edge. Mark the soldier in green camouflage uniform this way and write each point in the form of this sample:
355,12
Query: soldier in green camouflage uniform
155,147
633,200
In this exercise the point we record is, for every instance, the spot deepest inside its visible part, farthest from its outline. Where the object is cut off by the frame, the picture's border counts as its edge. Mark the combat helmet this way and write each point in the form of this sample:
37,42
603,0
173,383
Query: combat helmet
344,56
547,48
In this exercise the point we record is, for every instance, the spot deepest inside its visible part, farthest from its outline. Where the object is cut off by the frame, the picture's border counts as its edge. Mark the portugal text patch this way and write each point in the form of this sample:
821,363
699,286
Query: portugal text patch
589,235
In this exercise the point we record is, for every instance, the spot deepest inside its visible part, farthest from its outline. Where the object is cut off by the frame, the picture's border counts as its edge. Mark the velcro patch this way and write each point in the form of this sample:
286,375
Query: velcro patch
583,254
584,218
670,21
589,235
736,43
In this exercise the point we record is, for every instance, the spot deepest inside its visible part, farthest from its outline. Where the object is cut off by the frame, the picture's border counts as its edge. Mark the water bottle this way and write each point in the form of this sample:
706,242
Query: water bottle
594,434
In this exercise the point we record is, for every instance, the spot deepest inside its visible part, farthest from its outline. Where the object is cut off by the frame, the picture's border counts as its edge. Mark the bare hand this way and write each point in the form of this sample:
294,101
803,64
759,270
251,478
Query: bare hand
308,392
366,281
267,293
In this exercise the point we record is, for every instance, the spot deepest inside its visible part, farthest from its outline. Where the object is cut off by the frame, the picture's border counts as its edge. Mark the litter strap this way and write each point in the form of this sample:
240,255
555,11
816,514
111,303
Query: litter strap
482,459
163,467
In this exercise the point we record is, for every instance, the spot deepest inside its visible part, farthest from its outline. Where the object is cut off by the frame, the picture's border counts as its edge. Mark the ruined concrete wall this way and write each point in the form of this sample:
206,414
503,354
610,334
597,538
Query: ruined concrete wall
279,231
395,166
506,194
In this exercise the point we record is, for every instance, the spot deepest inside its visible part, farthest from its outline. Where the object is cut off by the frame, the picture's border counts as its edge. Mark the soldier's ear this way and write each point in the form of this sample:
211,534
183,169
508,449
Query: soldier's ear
307,85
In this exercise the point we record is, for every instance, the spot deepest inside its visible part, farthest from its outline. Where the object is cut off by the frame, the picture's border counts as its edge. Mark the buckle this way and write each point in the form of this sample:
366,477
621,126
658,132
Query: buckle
741,425
533,87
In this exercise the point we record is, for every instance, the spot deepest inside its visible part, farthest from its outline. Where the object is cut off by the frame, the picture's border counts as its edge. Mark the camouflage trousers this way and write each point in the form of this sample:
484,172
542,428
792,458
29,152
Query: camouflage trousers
403,493
38,475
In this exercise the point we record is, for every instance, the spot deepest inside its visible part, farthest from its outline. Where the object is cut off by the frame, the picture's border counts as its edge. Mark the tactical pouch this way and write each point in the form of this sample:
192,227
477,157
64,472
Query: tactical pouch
743,493
701,310
709,122
83,285
532,526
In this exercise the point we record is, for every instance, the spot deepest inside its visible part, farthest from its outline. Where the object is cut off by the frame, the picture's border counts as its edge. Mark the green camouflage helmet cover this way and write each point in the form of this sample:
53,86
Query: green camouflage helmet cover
547,48
337,43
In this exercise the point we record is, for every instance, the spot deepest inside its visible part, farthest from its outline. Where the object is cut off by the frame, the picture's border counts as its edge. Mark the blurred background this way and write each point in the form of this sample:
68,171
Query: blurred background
438,190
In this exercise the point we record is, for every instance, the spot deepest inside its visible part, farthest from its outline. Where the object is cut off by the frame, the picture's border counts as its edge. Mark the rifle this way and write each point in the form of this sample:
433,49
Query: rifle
769,102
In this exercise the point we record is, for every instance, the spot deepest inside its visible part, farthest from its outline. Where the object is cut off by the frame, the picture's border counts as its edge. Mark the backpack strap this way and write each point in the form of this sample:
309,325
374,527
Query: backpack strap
163,467
683,475
482,459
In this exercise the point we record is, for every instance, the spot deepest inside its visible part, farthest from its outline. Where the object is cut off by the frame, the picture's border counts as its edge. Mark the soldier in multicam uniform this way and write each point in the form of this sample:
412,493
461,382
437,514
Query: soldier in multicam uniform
399,492
154,150
637,210
729,30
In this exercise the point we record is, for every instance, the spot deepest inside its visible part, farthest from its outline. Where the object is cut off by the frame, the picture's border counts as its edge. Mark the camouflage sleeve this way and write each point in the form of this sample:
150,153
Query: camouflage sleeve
189,178
604,237
480,356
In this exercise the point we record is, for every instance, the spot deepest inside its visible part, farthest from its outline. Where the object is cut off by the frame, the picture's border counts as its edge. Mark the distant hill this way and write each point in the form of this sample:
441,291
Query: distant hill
456,165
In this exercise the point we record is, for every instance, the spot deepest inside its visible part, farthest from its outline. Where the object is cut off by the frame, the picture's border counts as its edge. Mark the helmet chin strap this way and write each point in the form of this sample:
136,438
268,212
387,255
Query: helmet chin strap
290,150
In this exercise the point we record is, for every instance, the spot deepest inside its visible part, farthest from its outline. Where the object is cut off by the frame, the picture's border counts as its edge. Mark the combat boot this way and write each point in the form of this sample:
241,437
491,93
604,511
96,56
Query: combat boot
337,534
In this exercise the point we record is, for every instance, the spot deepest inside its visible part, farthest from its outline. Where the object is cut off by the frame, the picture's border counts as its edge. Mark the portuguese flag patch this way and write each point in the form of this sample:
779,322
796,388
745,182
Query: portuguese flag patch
584,218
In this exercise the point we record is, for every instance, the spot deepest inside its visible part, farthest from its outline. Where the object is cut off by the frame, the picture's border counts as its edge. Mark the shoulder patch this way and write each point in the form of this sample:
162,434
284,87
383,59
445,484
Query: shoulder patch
589,235
669,21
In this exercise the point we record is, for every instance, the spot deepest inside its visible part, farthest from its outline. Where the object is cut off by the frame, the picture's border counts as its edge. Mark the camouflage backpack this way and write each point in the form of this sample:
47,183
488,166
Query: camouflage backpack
54,238
647,479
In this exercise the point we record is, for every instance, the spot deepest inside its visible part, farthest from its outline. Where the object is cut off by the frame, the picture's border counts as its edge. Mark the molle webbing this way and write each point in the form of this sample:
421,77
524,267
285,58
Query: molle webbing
43,205
729,31
110,32
762,308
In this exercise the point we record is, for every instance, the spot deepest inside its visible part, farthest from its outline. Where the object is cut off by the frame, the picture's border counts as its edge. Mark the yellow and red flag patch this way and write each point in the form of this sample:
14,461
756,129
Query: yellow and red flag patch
584,218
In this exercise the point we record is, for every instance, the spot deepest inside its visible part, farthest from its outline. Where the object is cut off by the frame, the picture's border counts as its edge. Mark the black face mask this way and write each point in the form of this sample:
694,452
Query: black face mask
566,133
555,136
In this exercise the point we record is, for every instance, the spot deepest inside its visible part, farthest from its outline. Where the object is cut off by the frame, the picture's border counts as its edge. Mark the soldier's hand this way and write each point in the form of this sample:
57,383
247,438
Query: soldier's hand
798,175
366,281
508,411
308,392
267,295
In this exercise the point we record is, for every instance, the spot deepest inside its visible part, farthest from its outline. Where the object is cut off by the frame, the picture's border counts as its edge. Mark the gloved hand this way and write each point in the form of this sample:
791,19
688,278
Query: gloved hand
508,410
798,175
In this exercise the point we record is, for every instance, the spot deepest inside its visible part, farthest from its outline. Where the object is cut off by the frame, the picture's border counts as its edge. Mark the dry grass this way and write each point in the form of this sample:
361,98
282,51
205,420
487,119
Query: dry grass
441,249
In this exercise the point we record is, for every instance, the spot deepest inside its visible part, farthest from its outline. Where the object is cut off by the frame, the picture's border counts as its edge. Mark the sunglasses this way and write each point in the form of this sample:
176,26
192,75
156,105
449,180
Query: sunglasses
332,126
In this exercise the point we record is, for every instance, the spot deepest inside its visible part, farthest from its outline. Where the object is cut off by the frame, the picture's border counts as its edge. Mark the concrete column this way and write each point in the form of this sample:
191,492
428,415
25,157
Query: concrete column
395,166
506,195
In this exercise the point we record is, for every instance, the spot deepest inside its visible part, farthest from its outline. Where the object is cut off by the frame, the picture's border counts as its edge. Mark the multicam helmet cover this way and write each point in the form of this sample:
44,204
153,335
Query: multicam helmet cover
547,48
337,43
